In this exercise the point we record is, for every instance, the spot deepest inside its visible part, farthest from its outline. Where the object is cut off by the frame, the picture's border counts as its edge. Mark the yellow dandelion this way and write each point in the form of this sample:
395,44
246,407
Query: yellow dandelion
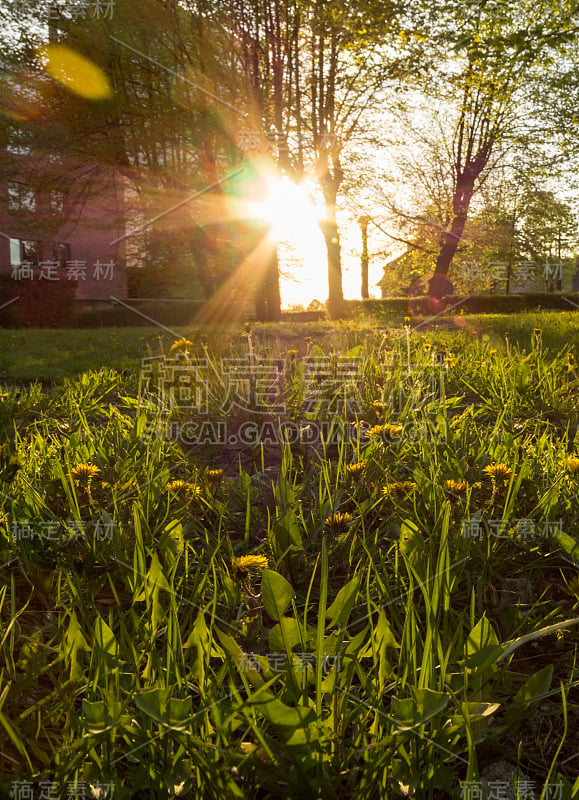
292,353
339,521
214,475
393,430
398,487
385,430
355,470
498,471
427,346
84,472
378,405
182,487
176,486
457,487
573,464
376,430
180,345
245,563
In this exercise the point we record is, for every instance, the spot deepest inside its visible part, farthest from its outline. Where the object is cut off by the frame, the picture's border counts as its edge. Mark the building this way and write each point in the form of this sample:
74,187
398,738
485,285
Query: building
61,220
494,277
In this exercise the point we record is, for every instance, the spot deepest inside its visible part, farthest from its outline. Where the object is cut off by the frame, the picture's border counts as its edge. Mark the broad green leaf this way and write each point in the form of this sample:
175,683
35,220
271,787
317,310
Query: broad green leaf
411,540
536,686
179,712
231,647
413,711
482,646
473,709
276,593
154,703
342,606
199,639
105,642
286,634
171,541
277,713
156,581
382,637
99,715
569,545
73,642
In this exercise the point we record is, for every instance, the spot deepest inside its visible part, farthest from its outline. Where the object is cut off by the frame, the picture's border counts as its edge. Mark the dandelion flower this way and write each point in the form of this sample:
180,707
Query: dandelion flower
214,475
180,345
84,472
573,464
182,487
398,487
498,471
245,563
355,470
339,521
385,430
457,487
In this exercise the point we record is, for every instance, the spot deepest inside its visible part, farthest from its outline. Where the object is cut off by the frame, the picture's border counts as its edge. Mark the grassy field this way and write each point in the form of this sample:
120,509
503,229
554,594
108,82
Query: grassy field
344,565
45,355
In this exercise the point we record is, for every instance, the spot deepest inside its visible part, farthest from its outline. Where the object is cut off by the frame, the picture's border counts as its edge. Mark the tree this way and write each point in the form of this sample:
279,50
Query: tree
495,47
167,126
315,69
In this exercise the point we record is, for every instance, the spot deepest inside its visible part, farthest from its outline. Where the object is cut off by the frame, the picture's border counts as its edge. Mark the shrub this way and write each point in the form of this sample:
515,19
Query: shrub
36,303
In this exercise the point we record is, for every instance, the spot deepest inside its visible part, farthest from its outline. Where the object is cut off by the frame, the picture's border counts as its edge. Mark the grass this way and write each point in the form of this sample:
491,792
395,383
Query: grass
266,620
47,355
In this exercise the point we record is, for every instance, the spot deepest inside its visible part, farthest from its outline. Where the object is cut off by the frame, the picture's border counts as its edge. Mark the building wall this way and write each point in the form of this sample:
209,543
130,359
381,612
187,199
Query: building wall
66,218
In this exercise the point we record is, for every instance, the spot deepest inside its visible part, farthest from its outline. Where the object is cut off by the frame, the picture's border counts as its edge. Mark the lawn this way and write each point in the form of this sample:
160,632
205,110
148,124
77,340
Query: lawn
46,355
342,562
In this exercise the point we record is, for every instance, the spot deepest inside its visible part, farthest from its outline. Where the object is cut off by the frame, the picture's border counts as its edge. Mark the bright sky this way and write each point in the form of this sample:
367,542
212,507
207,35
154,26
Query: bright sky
302,250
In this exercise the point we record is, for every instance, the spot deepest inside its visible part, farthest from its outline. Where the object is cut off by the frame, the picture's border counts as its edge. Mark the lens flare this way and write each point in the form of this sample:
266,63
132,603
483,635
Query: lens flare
75,72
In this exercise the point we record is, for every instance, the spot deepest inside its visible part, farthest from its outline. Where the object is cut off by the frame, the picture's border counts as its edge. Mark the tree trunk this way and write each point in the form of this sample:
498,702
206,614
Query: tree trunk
363,223
267,293
270,290
199,245
329,228
450,240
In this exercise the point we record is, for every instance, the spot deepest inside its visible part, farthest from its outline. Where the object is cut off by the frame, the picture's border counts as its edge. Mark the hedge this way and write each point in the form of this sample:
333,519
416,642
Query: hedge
43,303
37,303
471,304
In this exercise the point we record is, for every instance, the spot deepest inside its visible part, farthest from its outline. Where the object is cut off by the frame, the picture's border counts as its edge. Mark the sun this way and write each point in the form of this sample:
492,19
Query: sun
294,216
288,207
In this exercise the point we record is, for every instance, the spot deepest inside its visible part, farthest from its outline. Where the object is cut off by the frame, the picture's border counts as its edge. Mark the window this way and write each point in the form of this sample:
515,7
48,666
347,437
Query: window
21,197
30,251
57,201
19,142
24,251
61,253
15,257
